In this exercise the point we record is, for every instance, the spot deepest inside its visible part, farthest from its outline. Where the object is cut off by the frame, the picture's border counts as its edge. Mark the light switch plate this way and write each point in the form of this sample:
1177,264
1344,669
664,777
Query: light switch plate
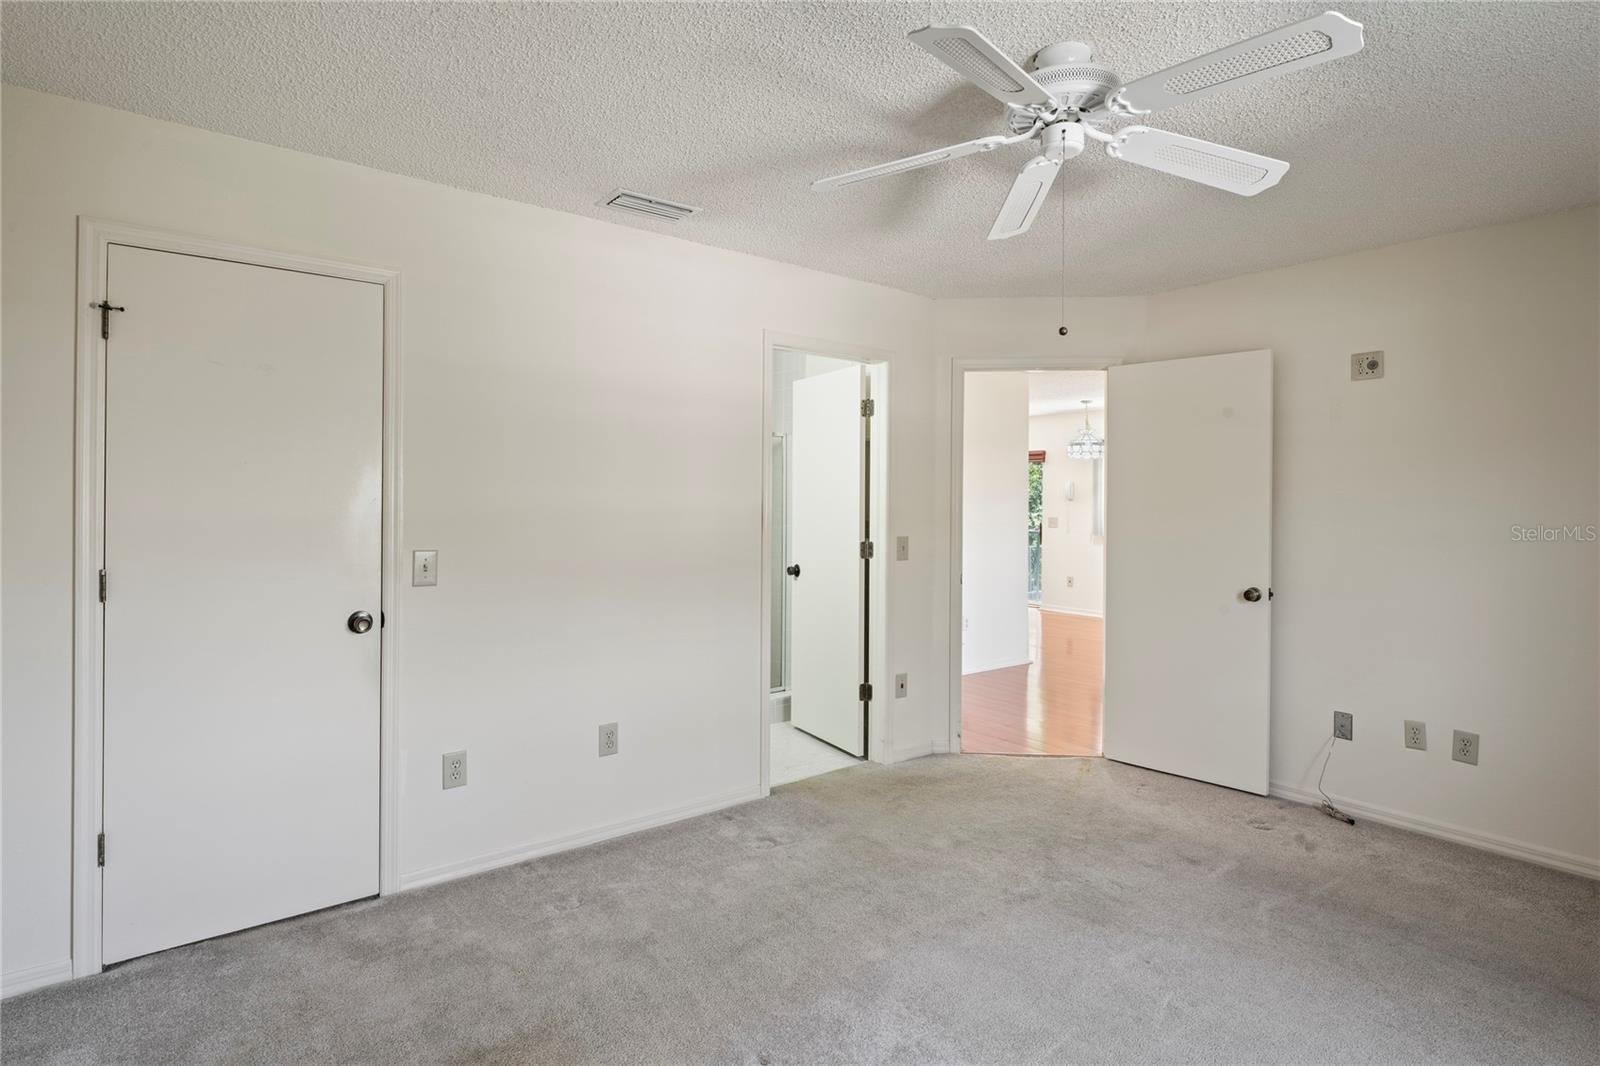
425,567
1054,521
899,686
902,549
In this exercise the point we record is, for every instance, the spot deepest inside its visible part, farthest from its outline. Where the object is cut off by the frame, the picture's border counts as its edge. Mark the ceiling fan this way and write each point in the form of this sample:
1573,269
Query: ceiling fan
1066,99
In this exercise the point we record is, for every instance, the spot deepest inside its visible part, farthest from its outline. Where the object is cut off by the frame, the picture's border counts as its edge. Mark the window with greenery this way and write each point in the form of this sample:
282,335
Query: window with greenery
1035,529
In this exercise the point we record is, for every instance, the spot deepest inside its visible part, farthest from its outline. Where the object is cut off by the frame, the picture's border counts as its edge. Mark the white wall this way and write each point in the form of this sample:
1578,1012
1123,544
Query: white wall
582,443
1070,549
546,431
1401,590
994,545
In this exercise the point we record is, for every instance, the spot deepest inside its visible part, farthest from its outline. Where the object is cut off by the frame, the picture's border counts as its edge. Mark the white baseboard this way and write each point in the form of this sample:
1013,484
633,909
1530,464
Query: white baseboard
1057,609
495,859
984,668
777,707
1534,853
30,977
913,751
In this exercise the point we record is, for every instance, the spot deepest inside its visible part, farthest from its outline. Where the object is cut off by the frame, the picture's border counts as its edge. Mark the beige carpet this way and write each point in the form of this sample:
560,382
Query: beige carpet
957,909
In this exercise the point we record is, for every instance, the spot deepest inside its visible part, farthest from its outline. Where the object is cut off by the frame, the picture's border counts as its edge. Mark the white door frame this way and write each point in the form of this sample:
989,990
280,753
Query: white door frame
880,723
951,403
95,236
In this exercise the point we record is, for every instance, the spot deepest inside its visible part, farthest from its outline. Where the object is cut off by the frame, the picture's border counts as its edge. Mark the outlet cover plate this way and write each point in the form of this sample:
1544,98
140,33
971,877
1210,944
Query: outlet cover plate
455,769
1464,747
1416,735
1344,725
608,739
1366,366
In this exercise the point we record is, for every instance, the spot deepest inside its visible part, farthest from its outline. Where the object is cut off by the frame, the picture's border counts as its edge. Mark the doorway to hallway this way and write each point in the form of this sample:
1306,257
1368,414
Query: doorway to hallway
1033,563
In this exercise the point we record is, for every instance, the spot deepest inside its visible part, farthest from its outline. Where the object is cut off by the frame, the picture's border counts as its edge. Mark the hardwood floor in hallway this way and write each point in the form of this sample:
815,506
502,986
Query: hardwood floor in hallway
1050,706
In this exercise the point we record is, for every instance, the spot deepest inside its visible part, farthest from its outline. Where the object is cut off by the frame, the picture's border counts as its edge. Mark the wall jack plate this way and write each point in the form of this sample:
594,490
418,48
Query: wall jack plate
1364,366
1344,725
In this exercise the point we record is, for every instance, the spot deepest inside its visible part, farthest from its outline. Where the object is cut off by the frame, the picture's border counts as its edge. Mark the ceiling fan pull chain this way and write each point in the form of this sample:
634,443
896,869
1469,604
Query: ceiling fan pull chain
1063,330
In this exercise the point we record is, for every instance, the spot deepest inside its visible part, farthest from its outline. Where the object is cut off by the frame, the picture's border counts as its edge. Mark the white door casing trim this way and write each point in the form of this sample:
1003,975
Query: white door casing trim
949,412
880,720
95,236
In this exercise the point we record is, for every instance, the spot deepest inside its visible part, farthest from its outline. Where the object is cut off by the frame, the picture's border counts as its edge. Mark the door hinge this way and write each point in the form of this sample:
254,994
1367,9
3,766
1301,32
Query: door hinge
868,408
100,850
106,307
102,586
866,549
865,692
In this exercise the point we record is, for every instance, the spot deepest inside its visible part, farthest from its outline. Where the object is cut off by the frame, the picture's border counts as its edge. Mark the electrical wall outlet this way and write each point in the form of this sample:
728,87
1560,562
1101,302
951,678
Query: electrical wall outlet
455,769
1464,747
1417,735
1344,725
608,739
899,686
1364,366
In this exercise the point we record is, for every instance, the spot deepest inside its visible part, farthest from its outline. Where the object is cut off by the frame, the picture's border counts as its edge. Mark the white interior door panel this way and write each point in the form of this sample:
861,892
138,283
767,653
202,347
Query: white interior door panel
244,425
1188,537
826,508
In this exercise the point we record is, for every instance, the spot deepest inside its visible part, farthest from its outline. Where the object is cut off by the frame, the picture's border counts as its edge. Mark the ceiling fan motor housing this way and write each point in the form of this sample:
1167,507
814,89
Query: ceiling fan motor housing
1062,140
1068,74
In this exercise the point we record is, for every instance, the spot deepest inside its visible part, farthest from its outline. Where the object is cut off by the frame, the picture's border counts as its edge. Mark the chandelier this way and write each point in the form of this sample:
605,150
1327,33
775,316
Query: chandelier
1086,445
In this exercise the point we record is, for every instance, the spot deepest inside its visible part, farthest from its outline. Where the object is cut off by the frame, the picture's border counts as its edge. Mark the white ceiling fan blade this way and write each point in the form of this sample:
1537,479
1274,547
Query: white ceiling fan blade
970,54
1025,198
1281,51
912,162
1216,165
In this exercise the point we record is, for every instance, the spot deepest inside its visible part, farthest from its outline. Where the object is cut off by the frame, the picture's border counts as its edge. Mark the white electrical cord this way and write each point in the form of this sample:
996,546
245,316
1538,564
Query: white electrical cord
1327,806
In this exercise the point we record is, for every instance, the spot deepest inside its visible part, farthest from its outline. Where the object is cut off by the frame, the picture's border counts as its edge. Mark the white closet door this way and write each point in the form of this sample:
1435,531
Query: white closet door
826,501
243,481
1189,567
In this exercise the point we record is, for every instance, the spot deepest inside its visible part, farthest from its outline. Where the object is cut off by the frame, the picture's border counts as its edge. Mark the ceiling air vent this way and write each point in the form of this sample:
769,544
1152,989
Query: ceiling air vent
623,200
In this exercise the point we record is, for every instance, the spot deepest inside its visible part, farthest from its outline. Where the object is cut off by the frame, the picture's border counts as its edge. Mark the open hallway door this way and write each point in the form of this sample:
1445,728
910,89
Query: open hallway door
827,514
1188,566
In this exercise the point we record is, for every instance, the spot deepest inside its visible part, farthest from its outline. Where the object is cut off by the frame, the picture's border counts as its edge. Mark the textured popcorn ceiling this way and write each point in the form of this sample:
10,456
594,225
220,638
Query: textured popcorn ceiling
1054,391
1456,114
